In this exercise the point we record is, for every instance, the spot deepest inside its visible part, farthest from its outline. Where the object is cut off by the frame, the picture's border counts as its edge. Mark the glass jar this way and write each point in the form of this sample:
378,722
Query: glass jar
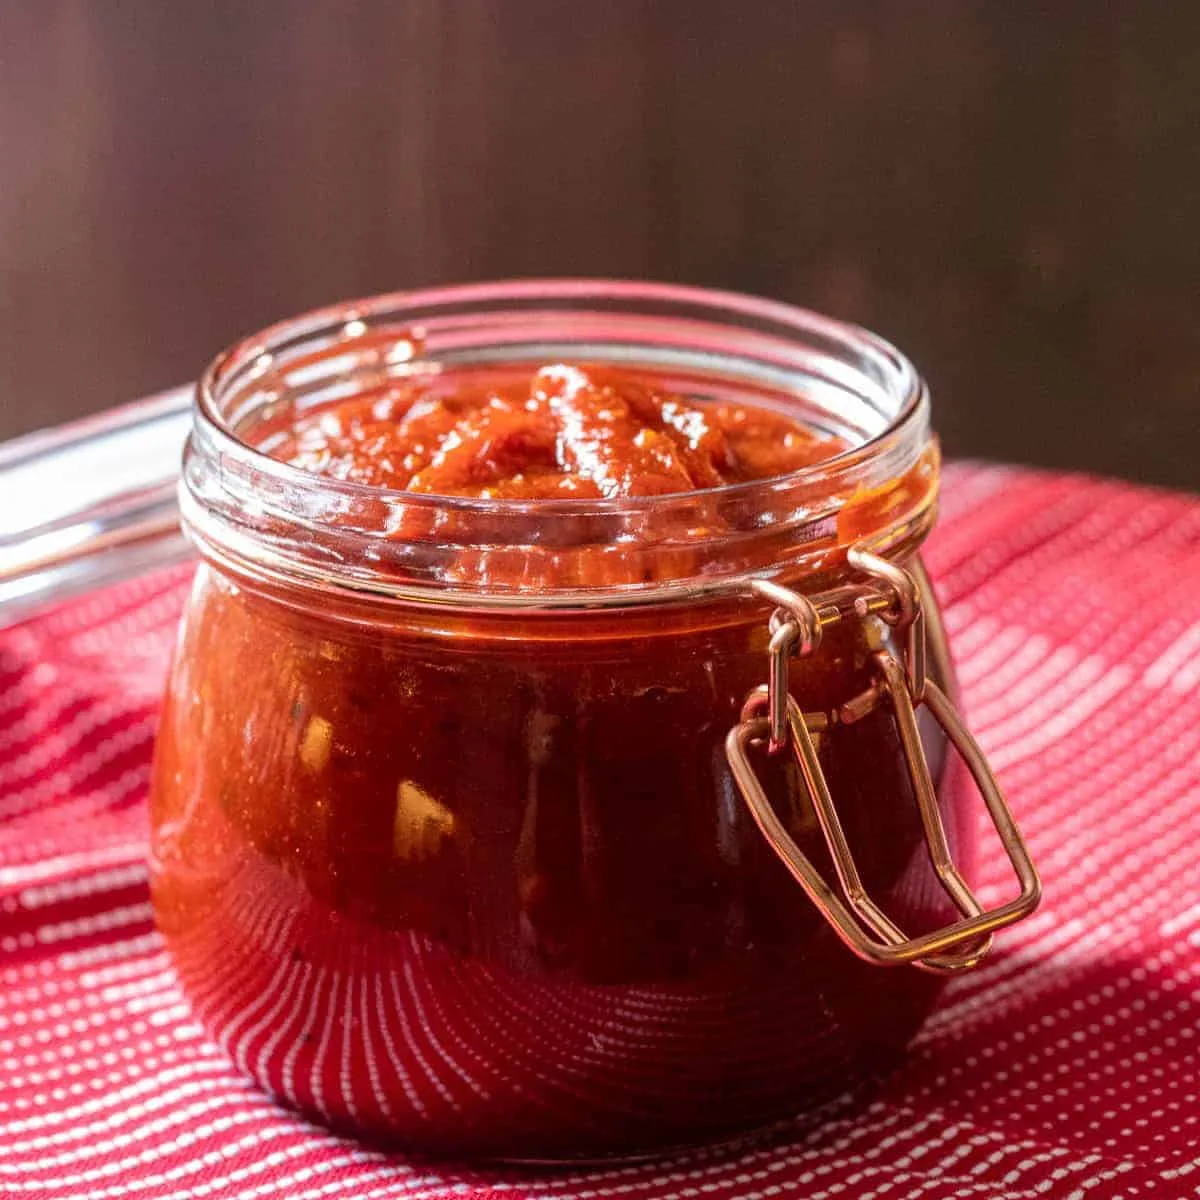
546,830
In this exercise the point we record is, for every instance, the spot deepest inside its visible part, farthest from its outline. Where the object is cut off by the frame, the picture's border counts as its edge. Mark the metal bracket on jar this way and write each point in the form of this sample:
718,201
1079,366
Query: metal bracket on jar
772,715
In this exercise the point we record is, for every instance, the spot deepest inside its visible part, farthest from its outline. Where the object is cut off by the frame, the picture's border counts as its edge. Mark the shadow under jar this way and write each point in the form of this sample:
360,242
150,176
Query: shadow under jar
476,826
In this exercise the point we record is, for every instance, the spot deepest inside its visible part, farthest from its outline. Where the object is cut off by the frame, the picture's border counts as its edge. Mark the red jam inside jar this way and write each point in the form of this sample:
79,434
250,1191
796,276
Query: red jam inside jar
446,847
567,432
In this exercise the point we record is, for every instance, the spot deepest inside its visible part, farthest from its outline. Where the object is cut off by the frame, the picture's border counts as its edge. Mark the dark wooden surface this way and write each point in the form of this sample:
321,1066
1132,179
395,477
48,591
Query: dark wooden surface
1010,191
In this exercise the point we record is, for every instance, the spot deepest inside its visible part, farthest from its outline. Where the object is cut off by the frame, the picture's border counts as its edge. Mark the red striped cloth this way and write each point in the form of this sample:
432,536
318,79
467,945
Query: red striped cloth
1066,1067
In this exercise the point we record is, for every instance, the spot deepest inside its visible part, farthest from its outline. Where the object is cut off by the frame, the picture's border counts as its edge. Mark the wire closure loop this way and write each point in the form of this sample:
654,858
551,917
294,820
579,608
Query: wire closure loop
795,627
891,594
908,616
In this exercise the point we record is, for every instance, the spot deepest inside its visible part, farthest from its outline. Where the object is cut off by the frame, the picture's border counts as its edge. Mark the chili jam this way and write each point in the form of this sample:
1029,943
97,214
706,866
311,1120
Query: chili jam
569,432
479,881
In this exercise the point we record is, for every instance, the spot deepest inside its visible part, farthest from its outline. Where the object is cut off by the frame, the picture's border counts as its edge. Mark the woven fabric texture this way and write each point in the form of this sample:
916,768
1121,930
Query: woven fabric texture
1068,1066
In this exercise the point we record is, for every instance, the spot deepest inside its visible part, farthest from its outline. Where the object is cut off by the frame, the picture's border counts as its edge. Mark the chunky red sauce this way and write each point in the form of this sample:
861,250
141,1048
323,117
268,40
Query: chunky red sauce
481,881
568,432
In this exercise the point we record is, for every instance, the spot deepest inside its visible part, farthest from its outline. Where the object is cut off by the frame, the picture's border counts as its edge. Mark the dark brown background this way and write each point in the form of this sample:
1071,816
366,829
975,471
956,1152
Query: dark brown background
1007,190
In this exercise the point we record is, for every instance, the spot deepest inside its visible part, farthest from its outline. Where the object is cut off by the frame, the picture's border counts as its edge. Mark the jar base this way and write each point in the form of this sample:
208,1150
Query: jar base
848,1097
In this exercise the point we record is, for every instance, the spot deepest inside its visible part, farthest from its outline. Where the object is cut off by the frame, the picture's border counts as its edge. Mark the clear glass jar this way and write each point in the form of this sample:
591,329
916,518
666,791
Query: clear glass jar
478,825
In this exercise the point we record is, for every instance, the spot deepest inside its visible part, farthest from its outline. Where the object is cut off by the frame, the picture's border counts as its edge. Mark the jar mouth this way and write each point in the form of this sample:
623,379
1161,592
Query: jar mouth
242,502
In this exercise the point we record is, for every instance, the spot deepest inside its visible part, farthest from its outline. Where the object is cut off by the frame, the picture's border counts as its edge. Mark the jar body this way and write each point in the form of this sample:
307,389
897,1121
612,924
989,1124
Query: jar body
484,885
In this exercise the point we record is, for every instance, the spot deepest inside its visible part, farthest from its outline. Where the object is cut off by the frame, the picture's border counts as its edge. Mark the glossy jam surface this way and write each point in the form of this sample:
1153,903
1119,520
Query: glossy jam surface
479,881
566,432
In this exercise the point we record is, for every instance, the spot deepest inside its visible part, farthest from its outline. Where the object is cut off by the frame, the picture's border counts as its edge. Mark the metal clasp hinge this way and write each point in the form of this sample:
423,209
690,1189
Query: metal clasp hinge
772,714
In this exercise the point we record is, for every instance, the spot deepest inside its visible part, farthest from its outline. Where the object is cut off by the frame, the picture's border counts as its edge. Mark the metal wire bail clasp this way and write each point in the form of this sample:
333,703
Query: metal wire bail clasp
795,629
890,594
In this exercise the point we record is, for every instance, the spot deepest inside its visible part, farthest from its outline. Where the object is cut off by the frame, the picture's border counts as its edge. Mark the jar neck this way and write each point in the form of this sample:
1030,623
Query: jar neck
265,519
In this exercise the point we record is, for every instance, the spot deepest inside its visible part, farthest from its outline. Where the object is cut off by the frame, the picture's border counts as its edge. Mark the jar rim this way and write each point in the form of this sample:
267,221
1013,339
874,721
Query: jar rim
908,381
721,327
